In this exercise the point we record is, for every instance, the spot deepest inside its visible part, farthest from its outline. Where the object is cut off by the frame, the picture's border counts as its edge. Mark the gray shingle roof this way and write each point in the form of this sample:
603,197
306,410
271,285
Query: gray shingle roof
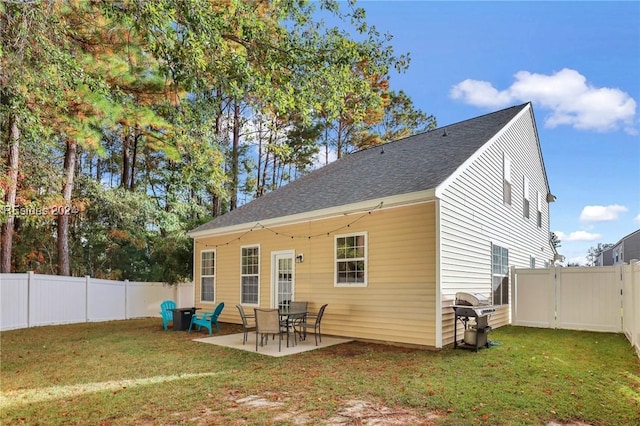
416,163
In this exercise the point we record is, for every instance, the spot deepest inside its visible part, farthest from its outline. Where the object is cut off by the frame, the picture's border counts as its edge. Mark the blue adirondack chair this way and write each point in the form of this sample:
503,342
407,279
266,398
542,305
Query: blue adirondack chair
166,312
206,319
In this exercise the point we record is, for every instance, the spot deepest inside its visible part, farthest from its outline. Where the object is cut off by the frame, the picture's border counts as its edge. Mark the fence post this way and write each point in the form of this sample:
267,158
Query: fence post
126,299
634,297
554,280
29,281
87,278
514,295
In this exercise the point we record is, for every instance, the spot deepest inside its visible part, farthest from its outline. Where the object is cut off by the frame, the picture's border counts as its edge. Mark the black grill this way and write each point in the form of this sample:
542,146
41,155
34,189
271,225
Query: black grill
472,306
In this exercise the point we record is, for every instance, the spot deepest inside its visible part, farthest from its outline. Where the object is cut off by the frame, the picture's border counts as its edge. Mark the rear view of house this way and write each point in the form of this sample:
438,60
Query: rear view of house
386,236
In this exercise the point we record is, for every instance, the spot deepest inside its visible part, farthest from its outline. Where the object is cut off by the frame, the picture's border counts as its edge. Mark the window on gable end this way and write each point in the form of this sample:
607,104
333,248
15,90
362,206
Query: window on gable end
506,180
539,210
526,203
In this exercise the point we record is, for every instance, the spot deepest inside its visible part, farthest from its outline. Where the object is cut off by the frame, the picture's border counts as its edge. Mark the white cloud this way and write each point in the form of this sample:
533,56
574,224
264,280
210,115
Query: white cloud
637,218
577,236
480,93
602,213
568,96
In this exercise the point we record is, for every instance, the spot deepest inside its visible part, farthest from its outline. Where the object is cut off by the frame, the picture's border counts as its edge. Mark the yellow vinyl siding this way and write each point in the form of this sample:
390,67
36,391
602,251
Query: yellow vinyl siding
398,302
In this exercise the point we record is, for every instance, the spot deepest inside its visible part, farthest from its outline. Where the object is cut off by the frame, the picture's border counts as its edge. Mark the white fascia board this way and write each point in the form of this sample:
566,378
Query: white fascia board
445,184
360,207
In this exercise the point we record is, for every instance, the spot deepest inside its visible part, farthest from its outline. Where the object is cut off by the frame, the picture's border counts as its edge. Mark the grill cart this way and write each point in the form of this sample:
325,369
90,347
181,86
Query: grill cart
468,306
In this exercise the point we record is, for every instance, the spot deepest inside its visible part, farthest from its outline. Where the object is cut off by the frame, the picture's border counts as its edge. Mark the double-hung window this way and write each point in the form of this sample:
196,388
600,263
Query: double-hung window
539,210
351,260
208,276
500,274
250,275
506,179
526,203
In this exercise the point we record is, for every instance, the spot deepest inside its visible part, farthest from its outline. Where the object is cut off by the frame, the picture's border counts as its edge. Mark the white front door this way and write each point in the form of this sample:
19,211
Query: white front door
282,277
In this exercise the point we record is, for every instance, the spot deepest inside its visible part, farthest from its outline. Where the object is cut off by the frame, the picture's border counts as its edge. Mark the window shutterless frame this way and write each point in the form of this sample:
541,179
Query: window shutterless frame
350,252
499,274
208,276
506,179
250,275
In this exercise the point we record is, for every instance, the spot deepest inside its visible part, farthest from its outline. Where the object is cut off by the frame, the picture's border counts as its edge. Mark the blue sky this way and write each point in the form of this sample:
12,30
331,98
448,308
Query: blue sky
577,62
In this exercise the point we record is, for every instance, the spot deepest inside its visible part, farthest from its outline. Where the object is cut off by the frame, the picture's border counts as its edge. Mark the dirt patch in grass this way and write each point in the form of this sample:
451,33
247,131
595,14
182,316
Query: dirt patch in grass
352,412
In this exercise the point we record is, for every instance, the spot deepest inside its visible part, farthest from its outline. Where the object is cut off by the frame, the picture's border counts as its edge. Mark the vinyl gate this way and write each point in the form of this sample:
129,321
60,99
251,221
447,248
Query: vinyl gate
605,298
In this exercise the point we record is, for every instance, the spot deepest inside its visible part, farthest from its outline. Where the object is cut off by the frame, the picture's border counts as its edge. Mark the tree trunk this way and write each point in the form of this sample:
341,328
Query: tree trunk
266,165
63,215
216,201
126,161
339,141
98,169
136,138
235,154
258,173
10,196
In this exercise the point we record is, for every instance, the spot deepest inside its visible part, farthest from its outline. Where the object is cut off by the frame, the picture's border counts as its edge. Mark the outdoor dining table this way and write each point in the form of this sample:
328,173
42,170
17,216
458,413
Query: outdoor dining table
289,317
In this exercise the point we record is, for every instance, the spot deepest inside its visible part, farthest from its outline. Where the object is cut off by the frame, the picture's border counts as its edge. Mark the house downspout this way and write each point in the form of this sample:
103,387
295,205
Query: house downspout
438,290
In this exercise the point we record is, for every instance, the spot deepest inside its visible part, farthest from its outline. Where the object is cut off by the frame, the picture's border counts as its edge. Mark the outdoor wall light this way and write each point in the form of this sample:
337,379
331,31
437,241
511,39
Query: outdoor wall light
299,258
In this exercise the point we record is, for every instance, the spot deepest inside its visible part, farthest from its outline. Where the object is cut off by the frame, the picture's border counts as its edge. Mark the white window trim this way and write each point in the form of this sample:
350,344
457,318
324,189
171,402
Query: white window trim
539,212
366,261
274,266
505,247
259,273
506,180
526,211
215,268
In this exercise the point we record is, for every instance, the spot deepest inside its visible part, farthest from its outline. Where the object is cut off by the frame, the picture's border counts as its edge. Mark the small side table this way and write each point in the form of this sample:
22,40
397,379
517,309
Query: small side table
182,318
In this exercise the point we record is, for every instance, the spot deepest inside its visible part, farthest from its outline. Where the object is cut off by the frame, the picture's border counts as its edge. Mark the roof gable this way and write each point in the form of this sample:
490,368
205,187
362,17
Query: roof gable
416,163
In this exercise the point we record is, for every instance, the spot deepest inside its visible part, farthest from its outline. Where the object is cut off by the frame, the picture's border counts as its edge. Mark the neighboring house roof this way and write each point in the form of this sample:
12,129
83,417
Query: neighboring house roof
416,163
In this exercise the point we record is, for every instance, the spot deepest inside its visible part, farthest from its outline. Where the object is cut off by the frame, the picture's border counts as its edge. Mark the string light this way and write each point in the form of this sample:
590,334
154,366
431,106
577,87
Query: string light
258,225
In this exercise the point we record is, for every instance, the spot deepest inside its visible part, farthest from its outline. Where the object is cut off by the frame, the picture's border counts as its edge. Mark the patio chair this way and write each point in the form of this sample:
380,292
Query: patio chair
298,306
295,321
268,322
315,326
207,319
248,322
166,312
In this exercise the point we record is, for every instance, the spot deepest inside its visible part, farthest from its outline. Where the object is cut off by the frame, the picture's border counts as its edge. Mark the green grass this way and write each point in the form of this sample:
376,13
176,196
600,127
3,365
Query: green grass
134,373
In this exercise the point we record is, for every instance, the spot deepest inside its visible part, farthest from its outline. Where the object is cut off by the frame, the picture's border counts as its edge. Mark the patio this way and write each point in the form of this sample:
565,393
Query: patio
271,349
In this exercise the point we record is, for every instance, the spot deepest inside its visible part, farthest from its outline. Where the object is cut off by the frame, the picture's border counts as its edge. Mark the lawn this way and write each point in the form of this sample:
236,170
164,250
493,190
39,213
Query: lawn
134,373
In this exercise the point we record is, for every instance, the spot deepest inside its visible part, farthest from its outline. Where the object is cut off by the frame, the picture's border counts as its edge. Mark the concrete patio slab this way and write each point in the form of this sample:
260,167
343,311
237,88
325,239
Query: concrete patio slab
271,349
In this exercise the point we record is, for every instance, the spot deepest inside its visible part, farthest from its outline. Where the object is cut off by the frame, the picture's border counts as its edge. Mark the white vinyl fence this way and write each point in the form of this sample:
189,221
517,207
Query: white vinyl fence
30,300
605,298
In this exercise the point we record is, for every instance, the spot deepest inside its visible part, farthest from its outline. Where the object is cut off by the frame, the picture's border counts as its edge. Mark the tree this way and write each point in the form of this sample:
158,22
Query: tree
166,111
554,240
401,119
10,194
594,252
